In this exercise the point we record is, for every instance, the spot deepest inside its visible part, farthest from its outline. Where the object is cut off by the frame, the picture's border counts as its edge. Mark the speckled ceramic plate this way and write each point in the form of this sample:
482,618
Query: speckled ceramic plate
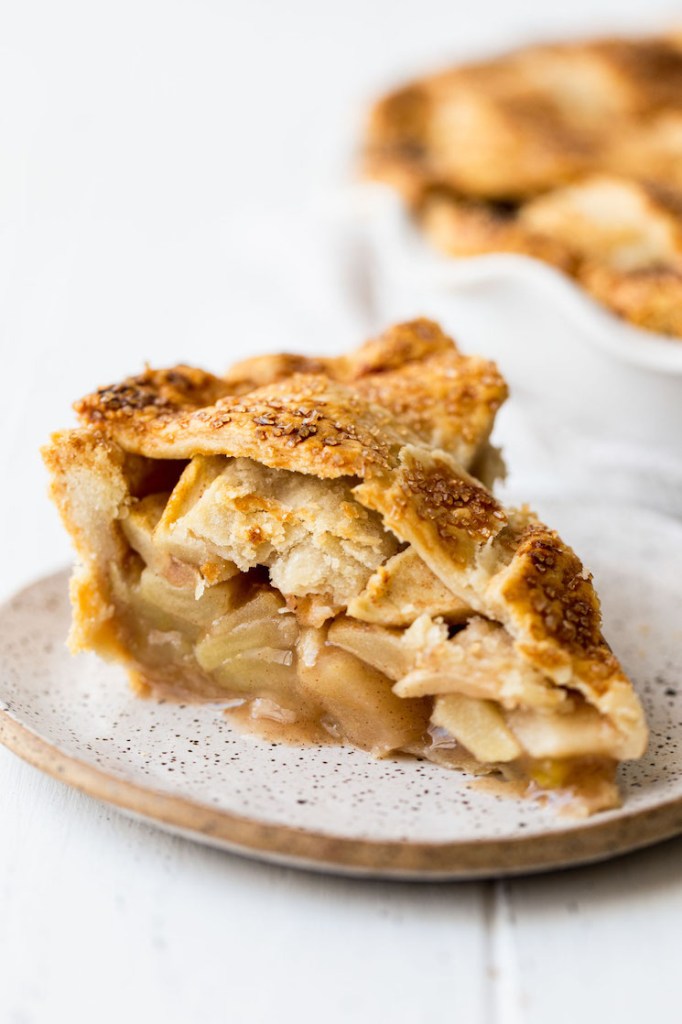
331,808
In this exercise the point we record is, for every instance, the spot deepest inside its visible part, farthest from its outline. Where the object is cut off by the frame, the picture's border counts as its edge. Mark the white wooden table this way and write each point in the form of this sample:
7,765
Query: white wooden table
138,141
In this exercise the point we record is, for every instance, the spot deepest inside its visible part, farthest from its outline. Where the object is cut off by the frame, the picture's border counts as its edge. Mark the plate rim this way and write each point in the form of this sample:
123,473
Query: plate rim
313,850
596,839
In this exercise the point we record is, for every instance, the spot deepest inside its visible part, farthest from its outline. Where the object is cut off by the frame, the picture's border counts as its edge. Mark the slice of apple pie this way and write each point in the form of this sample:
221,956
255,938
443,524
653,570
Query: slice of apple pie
315,541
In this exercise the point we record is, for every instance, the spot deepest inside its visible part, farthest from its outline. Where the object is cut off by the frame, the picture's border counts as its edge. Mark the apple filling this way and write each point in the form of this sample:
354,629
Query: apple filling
286,597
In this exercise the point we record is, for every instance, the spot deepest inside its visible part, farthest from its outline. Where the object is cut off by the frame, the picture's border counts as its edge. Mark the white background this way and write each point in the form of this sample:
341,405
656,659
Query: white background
160,169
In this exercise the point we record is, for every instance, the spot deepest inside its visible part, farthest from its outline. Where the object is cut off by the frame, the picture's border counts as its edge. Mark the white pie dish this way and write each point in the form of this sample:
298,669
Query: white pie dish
578,371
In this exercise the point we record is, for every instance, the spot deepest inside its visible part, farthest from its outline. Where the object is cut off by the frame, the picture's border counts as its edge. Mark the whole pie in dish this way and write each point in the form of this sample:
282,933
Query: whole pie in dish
570,153
316,542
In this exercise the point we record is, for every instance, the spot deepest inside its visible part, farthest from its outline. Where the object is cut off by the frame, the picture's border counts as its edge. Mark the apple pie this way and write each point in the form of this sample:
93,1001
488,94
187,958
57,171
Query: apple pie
315,542
569,153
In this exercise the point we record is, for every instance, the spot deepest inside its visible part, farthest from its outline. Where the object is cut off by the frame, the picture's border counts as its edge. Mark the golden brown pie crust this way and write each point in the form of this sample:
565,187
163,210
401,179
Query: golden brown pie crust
306,536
